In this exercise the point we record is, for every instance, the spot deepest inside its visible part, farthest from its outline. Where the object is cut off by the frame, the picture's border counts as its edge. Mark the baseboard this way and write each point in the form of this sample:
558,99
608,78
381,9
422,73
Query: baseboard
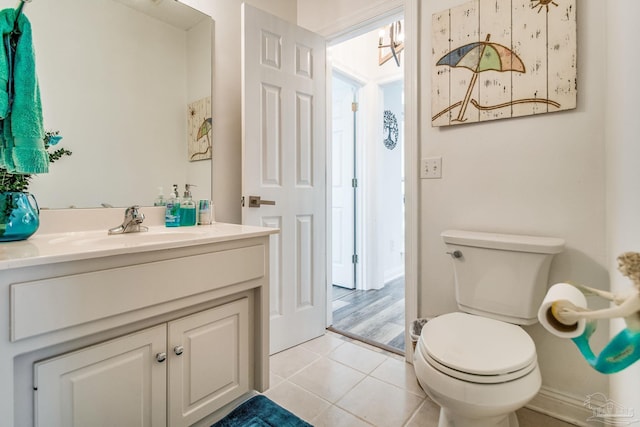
395,274
563,407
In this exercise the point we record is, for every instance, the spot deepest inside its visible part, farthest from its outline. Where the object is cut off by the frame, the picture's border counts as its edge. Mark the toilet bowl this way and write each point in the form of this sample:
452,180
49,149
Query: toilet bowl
479,370
478,364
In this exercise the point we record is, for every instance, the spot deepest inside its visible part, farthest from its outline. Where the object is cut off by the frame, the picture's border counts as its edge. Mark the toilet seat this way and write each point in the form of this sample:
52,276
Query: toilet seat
477,349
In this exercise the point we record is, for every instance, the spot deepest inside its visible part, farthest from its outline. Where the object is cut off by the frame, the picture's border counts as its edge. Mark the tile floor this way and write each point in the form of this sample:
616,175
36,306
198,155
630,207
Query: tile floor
333,381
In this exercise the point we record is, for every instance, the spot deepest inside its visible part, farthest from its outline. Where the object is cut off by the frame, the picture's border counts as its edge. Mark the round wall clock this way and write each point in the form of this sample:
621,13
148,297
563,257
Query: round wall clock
390,130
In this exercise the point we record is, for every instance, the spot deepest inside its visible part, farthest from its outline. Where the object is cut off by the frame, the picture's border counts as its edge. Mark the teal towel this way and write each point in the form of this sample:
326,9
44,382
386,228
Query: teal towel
22,147
5,26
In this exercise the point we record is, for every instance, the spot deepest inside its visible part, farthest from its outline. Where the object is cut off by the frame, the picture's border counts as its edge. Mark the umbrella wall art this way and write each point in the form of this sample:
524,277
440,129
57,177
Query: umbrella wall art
200,130
495,59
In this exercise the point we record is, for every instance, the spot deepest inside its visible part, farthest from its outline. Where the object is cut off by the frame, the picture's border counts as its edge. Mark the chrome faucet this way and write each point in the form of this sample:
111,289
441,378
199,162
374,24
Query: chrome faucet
132,222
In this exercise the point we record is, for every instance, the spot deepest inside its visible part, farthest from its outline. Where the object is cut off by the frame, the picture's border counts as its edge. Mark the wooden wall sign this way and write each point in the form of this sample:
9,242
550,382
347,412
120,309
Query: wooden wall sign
495,59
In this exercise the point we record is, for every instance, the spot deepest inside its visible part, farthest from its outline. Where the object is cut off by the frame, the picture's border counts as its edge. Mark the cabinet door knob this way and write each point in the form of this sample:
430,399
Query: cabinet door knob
178,350
161,357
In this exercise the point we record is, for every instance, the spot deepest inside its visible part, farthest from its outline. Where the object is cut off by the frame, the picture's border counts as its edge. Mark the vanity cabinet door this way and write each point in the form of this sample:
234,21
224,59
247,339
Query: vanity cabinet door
121,382
208,361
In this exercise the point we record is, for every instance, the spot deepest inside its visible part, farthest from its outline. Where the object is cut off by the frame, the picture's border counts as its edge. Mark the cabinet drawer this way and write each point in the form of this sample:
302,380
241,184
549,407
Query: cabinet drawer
48,305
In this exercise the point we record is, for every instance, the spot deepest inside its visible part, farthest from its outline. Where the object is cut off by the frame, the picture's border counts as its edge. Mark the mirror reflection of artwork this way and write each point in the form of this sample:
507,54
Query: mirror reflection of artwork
200,130
496,59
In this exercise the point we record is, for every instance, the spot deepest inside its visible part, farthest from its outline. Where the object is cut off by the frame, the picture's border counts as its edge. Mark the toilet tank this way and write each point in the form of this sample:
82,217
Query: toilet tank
501,276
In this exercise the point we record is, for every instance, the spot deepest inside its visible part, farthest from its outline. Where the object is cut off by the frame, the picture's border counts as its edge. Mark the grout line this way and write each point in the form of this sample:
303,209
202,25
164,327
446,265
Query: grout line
415,413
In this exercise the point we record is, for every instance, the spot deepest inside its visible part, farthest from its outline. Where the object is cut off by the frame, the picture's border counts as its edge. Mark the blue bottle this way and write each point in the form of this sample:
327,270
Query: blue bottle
172,209
187,208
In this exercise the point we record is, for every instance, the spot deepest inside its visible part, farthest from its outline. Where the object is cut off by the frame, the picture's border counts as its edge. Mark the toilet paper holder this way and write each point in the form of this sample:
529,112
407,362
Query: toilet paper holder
622,350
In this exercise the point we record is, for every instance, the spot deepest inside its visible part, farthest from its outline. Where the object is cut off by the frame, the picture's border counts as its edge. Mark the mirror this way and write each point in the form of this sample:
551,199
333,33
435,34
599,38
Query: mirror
116,78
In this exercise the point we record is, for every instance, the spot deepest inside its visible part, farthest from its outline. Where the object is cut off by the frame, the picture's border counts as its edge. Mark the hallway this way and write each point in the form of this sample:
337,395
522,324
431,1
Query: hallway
375,315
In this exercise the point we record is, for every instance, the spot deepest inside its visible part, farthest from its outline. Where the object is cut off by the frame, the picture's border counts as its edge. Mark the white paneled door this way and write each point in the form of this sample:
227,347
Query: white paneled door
284,165
343,251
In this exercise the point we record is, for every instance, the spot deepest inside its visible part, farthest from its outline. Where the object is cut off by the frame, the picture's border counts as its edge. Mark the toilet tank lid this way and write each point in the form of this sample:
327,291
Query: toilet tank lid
509,242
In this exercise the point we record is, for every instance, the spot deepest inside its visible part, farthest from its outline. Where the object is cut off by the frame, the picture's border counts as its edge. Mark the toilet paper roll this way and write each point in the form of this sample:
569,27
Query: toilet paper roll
559,292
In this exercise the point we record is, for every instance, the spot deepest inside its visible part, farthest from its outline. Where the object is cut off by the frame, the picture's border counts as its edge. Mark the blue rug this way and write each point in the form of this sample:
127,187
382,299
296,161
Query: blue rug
259,411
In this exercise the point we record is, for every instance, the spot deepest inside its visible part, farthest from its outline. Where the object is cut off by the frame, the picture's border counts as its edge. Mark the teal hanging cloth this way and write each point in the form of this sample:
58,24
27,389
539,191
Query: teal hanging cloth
22,149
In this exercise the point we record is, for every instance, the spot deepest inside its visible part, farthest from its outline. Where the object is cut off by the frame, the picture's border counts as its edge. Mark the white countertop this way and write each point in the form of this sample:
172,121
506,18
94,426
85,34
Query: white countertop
67,246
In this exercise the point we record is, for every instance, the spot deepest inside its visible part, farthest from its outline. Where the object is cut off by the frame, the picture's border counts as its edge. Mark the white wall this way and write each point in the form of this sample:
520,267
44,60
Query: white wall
315,14
389,186
329,17
226,103
623,174
541,175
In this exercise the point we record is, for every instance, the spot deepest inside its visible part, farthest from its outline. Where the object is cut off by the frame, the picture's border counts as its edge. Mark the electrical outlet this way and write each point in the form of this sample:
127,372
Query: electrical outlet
431,168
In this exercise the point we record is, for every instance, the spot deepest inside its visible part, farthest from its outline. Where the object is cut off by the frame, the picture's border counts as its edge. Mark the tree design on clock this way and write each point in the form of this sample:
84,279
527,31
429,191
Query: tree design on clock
390,130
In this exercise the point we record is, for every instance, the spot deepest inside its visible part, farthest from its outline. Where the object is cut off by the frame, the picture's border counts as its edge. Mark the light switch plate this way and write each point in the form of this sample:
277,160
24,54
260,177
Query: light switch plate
431,168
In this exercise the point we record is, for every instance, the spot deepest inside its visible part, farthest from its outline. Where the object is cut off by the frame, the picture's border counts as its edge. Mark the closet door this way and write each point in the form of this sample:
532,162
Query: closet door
208,361
121,382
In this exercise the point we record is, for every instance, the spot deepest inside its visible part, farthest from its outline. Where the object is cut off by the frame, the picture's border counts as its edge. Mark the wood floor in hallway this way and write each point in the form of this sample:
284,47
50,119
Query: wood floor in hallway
375,315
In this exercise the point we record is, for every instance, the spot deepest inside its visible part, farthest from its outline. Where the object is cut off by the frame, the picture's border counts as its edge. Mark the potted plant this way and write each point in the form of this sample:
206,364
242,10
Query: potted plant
18,208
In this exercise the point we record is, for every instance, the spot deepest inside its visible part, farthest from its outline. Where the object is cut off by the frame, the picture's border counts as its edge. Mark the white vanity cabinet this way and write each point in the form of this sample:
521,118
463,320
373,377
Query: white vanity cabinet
180,371
160,333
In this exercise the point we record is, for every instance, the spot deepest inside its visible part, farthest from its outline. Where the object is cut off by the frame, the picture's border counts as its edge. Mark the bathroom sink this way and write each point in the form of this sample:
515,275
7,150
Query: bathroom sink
137,238
101,239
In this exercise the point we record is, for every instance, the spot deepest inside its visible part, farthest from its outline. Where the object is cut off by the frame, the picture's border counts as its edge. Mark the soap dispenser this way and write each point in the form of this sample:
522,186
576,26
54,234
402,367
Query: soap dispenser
160,201
172,210
187,208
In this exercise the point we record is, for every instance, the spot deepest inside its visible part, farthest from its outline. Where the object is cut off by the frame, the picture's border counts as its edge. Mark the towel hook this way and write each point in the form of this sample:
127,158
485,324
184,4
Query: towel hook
18,13
20,6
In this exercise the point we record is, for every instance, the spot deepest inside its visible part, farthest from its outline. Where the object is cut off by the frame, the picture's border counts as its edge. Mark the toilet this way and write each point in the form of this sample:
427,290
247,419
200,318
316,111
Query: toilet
478,364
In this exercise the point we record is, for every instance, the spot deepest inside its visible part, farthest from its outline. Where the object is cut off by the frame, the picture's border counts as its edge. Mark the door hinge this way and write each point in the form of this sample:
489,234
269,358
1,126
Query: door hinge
242,201
354,106
354,258
354,182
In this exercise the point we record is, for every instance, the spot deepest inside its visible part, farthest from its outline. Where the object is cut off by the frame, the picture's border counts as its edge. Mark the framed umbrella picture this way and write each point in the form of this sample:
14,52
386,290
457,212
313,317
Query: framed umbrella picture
199,124
495,59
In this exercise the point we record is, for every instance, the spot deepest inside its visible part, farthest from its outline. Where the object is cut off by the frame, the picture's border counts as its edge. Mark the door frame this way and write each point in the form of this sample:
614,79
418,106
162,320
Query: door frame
344,29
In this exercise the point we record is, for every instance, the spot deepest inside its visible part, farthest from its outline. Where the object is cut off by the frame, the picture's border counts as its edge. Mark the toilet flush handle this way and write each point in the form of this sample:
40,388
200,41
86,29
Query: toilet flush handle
455,254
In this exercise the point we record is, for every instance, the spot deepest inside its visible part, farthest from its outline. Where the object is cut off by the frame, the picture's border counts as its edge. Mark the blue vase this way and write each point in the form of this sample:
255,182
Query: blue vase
18,216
